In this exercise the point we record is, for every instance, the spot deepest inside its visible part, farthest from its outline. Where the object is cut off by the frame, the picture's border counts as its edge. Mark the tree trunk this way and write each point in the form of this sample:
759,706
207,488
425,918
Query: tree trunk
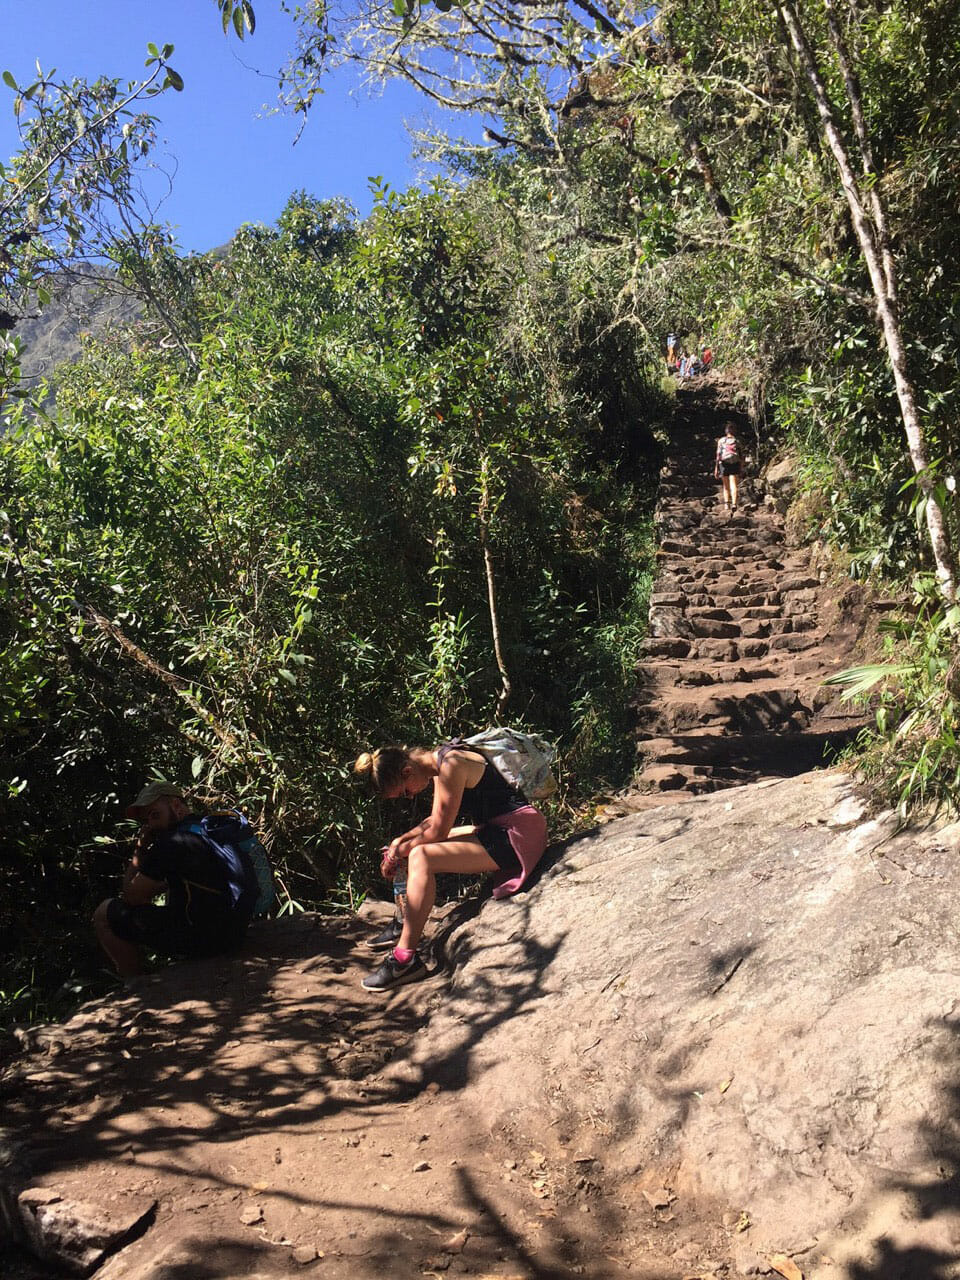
180,687
873,241
483,516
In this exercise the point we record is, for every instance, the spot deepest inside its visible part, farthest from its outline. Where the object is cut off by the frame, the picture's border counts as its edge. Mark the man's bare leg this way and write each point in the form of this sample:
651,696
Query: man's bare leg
125,955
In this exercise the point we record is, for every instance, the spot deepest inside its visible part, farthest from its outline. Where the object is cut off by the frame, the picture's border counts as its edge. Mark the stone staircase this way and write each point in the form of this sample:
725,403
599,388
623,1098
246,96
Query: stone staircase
742,633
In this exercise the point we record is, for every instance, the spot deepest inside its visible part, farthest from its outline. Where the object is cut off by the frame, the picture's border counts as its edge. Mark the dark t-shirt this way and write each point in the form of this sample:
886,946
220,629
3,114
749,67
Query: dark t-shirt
491,797
198,884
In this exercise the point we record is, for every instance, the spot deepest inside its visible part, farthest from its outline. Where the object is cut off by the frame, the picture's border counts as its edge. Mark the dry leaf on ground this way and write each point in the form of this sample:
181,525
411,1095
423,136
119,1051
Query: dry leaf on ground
785,1266
457,1243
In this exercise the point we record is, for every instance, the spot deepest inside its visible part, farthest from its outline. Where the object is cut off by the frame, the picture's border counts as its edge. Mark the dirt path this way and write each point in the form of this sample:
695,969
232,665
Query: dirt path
263,1103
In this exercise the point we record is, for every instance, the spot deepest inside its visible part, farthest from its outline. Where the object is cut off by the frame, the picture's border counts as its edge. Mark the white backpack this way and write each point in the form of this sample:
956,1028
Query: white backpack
523,759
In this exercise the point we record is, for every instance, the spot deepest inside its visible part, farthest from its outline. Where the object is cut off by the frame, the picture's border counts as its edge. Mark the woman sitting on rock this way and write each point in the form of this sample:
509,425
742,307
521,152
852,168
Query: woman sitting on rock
505,835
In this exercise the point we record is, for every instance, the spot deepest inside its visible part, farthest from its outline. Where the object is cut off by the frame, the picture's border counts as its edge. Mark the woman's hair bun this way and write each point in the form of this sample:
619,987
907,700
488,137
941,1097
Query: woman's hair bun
382,768
363,765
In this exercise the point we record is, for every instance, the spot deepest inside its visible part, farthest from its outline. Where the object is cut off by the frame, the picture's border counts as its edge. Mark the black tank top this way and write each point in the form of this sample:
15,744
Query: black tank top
493,794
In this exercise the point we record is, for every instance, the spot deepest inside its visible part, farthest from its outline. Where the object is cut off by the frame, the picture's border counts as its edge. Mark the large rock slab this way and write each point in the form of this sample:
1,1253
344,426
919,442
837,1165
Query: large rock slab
78,1235
751,998
780,480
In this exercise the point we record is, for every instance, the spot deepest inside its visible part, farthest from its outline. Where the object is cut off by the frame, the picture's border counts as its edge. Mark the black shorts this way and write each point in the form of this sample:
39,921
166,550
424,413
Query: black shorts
497,843
730,467
167,931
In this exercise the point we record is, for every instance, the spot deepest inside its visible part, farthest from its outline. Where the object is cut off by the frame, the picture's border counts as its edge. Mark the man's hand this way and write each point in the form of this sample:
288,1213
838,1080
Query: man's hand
139,889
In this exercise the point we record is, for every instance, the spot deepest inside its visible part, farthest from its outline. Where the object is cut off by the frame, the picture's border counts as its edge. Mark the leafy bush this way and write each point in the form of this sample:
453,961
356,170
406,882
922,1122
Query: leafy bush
238,571
912,757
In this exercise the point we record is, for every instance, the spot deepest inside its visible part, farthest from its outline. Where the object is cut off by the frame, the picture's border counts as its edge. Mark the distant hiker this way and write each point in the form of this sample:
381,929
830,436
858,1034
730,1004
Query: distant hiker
671,350
211,869
505,835
728,466
706,359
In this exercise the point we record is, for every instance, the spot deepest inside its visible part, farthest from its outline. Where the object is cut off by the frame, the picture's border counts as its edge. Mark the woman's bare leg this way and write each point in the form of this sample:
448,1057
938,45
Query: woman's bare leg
464,856
734,489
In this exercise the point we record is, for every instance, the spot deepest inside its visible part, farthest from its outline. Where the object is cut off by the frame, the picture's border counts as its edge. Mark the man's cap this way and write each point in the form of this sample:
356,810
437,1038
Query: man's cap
152,791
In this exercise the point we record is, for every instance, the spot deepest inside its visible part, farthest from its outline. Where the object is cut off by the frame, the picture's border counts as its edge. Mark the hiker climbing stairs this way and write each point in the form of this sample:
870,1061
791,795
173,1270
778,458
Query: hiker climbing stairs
730,688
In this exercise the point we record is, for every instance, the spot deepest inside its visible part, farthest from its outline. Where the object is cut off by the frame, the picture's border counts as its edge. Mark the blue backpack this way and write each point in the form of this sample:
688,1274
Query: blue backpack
249,874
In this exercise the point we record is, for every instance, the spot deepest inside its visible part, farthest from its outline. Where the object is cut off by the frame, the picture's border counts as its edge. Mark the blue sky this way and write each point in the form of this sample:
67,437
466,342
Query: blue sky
234,163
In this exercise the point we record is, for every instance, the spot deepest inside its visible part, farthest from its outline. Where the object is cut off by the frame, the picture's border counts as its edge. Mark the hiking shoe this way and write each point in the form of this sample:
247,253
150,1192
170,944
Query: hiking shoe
388,937
394,974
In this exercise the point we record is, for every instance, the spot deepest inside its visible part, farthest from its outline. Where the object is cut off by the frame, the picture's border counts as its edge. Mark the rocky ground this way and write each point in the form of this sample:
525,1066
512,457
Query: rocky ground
716,1038
264,1116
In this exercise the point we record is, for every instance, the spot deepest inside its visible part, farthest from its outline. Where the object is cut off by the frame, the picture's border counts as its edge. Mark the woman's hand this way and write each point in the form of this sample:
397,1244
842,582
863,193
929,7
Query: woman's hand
388,865
393,855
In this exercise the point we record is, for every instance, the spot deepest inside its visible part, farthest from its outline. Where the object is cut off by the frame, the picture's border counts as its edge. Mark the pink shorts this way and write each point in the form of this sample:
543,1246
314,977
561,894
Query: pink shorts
526,830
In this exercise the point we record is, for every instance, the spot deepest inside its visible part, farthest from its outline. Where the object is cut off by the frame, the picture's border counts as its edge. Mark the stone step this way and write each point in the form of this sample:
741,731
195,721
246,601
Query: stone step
691,555
655,647
799,608
720,600
702,568
758,628
695,779
766,569
709,515
677,547
667,622
713,629
688,493
710,612
739,612
804,622
794,643
735,539
684,486
662,777
673,621
720,782
739,708
724,675
727,650
737,586
775,755
675,521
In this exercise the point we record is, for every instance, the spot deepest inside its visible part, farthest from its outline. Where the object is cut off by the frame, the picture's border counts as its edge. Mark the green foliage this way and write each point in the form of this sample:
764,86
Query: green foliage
238,14
237,570
912,758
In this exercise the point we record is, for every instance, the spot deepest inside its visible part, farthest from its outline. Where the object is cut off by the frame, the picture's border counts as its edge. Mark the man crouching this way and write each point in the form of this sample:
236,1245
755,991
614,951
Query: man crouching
210,885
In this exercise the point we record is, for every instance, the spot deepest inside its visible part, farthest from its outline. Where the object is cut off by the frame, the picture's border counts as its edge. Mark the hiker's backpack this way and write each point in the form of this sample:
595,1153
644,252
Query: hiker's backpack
249,874
523,759
729,448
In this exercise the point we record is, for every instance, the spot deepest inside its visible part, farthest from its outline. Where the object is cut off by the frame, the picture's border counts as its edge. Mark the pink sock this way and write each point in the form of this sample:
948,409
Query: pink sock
403,955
